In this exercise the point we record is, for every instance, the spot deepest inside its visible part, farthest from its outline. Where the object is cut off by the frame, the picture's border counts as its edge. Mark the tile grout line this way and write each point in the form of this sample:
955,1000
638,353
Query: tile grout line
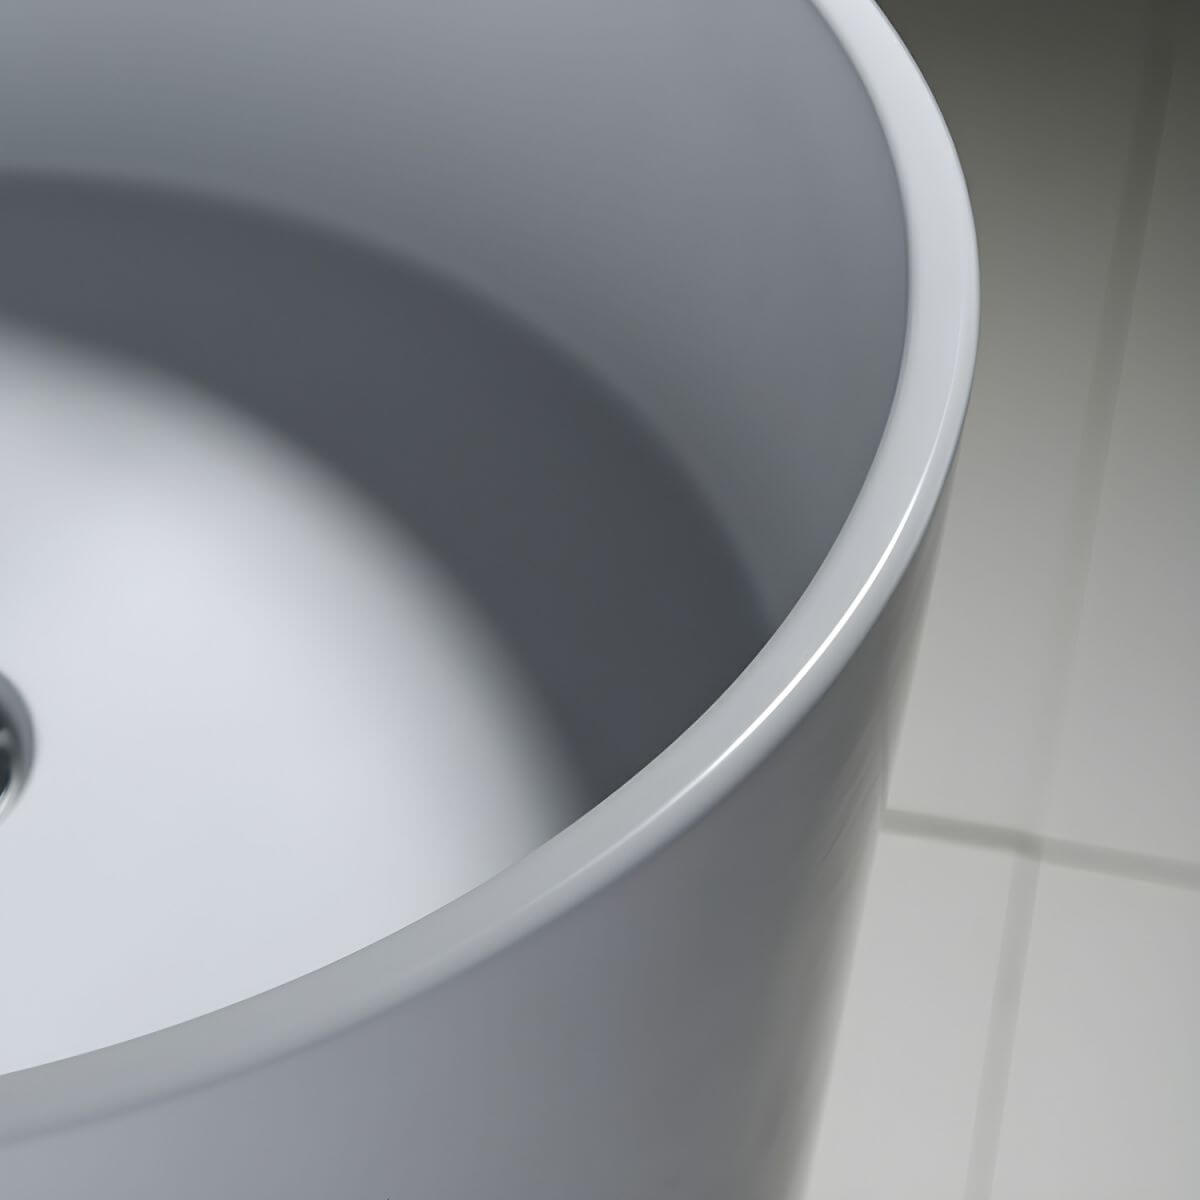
1133,217
1002,1028
1116,318
1099,860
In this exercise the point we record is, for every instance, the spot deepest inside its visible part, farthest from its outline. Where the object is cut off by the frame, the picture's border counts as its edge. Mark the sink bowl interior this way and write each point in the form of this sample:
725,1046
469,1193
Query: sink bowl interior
592,555
389,497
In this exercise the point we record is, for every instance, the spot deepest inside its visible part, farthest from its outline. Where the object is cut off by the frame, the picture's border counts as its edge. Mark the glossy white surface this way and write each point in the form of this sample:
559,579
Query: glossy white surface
1016,1029
645,969
87,128
1104,1095
270,731
900,1111
584,208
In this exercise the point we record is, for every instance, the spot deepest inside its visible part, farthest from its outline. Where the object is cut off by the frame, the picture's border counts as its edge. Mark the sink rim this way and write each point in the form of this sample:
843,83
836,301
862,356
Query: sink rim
786,678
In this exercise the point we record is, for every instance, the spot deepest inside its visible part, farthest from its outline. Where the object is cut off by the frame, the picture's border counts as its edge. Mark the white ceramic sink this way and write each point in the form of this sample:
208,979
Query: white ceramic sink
470,477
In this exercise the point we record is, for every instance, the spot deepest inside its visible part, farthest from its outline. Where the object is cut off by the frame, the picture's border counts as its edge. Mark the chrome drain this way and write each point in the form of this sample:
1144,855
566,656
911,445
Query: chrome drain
16,745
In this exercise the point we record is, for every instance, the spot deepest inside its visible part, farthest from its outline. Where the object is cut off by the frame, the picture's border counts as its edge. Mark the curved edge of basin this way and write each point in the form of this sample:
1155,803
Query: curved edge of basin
827,624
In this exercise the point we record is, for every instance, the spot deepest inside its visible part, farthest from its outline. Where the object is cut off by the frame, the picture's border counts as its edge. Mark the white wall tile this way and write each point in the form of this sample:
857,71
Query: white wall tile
1104,1092
1040,99
899,1114
1128,772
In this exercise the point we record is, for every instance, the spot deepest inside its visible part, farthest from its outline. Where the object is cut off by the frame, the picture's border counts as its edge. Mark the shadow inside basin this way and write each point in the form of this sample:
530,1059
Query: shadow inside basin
594,557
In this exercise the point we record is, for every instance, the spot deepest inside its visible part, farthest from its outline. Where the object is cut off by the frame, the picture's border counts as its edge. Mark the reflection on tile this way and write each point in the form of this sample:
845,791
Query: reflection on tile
1129,759
899,1113
1040,99
1104,1091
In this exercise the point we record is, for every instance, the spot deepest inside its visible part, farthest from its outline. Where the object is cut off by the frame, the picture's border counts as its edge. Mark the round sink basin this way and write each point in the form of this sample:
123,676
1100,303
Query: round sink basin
471,477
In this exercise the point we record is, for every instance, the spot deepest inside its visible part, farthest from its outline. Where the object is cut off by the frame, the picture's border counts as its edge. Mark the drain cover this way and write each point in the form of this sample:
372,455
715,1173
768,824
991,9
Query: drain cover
16,744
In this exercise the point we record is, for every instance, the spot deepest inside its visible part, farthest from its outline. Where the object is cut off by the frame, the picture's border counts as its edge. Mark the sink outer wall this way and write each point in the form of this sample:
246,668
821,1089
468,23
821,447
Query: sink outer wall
667,1038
